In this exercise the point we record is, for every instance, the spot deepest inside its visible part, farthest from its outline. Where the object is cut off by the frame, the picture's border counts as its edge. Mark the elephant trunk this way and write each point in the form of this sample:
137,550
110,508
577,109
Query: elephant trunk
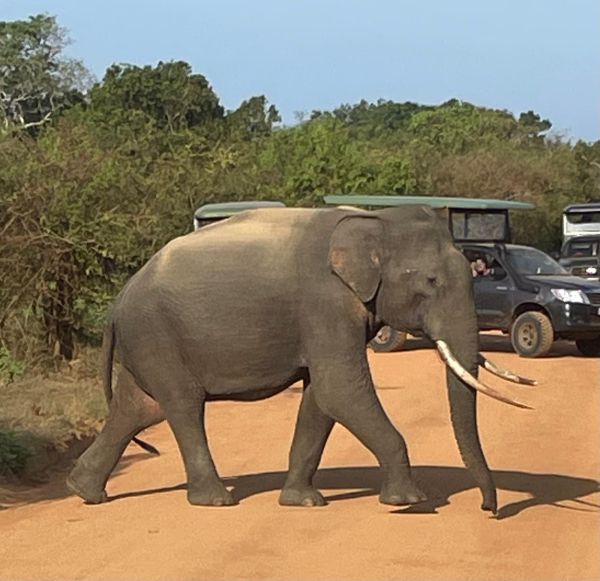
463,341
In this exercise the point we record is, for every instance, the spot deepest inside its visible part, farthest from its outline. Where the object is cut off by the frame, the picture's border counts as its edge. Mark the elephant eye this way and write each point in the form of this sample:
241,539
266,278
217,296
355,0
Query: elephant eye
433,281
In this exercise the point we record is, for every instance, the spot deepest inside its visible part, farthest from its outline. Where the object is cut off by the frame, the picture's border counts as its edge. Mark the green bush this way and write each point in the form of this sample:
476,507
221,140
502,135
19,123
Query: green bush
10,368
13,453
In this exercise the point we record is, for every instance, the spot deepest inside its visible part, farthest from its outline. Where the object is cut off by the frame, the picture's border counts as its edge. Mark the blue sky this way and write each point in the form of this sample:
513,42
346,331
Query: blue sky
304,55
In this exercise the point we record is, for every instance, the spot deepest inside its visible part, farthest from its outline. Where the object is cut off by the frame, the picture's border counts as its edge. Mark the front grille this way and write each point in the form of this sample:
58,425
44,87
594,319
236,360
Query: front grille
594,298
579,270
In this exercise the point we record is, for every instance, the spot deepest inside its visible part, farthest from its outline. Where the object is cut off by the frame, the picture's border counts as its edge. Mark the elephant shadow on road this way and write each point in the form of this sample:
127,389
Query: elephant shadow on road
439,482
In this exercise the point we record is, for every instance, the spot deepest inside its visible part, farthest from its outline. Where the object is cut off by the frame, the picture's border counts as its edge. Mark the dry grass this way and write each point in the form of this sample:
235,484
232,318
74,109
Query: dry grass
42,412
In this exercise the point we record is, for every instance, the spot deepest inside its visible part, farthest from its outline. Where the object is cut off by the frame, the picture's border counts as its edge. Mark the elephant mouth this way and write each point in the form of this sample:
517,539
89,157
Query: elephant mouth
453,364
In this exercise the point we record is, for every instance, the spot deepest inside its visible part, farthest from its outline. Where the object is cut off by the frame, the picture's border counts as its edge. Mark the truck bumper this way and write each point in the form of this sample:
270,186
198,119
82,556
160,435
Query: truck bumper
575,319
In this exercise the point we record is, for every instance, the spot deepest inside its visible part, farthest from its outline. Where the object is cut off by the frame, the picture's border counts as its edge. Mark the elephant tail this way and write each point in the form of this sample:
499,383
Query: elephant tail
108,351
108,355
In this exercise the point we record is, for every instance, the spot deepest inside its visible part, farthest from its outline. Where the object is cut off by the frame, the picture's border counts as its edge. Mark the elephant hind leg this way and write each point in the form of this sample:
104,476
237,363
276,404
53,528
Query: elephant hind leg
131,411
182,400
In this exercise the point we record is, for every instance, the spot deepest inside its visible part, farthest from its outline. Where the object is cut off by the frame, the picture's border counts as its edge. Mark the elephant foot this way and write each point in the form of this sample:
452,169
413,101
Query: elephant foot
305,496
399,495
85,488
216,495
490,502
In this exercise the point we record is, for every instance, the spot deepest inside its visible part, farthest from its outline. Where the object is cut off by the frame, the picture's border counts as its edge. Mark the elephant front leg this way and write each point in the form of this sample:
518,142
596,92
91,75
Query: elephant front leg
344,391
312,430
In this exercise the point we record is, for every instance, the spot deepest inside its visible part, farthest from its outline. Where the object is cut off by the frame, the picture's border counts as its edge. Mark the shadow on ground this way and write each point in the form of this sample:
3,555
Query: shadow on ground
51,486
439,482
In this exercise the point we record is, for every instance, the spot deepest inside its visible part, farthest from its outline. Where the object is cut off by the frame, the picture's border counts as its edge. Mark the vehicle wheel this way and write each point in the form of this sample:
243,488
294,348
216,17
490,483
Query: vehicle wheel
532,334
589,347
388,340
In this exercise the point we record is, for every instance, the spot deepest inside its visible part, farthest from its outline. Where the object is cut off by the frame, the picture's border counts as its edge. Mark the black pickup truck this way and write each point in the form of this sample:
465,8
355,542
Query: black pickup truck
522,291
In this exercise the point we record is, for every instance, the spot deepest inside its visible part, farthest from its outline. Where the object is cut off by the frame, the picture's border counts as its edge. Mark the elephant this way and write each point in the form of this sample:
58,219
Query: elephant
242,309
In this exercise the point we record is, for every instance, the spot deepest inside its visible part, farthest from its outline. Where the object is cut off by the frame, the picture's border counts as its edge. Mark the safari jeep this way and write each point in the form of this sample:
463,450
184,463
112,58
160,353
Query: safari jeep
580,251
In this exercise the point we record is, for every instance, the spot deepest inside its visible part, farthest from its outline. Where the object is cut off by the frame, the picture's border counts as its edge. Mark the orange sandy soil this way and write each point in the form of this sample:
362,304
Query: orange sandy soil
546,465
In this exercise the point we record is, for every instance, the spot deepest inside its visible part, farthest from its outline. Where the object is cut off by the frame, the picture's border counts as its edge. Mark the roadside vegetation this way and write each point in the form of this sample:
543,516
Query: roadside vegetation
96,175
44,412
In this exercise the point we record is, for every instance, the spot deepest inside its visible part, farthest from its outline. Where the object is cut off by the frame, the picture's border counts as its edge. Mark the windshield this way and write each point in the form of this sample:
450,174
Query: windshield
532,261
201,222
582,248
583,217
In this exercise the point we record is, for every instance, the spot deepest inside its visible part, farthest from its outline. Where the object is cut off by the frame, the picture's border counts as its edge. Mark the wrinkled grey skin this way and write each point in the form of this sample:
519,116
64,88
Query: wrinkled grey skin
242,309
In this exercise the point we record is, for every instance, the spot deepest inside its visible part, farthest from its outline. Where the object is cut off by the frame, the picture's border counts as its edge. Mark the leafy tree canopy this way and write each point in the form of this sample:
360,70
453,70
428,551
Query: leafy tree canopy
168,94
36,78
254,118
370,120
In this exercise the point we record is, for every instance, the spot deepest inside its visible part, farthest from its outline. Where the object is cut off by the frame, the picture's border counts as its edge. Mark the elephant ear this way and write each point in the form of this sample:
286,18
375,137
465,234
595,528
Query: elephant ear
355,253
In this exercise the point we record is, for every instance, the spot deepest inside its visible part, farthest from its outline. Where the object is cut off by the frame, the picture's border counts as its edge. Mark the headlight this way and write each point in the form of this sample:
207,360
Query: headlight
570,296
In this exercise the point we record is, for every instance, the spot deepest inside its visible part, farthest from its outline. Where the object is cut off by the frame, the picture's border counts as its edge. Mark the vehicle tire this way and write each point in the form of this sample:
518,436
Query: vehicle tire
589,347
388,340
532,334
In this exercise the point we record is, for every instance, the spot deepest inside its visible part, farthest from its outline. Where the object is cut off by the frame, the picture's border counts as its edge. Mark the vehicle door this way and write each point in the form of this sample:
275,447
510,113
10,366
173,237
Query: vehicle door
492,287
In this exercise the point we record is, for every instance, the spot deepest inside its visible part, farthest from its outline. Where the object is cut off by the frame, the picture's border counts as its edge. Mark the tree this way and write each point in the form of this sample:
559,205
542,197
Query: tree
253,119
533,126
169,94
36,79
313,159
371,120
456,126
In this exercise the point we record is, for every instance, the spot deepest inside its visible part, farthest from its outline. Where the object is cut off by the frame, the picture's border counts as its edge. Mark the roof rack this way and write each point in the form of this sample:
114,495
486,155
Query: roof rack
469,219
583,207
435,201
226,209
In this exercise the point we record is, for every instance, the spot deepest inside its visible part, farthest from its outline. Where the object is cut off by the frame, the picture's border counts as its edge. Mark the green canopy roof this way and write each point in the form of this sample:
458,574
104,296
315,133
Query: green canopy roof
435,201
226,209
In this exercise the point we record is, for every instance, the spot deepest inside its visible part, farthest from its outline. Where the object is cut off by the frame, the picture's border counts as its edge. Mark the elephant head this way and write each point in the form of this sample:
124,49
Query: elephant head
404,264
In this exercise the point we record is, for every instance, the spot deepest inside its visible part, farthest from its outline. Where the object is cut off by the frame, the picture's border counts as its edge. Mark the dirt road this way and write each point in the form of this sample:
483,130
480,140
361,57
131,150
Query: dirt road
546,466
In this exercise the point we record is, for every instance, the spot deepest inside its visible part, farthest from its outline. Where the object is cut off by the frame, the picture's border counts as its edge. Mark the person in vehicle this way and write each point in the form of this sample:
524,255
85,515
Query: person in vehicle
479,267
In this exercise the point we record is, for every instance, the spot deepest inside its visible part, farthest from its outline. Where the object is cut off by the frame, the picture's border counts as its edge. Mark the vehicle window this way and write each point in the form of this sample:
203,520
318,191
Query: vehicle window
533,261
206,222
583,217
478,225
582,248
483,264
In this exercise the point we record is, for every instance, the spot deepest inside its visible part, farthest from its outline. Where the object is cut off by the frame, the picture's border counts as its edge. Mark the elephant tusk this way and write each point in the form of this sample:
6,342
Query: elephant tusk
504,373
471,381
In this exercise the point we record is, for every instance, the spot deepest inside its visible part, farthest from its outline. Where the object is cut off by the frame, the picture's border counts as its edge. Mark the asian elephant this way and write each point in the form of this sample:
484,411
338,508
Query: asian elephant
242,309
